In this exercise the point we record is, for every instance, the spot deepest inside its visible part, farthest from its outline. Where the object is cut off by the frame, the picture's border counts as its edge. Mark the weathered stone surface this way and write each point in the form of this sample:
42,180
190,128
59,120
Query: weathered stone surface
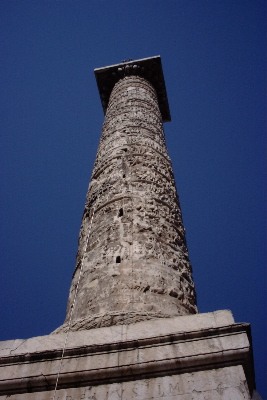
135,264
220,384
198,355
140,331
149,68
135,268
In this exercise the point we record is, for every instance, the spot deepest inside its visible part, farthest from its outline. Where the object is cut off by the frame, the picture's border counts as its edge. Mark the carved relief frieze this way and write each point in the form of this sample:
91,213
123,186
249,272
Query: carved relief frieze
132,241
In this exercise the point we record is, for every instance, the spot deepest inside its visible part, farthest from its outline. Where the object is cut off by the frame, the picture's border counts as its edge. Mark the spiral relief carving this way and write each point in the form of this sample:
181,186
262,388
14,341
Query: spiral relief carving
136,265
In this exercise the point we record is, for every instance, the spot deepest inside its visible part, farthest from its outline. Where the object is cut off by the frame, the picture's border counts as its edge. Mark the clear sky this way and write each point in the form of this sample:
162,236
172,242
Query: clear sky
214,61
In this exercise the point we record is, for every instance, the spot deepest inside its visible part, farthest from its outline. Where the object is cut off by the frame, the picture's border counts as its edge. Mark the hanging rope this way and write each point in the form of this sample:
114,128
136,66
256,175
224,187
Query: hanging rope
73,304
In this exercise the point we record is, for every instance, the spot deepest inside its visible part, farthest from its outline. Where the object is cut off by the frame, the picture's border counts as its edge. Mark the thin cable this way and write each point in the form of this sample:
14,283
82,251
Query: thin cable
73,305
132,232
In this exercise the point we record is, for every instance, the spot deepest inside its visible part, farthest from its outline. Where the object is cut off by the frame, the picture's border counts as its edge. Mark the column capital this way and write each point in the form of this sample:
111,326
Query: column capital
148,68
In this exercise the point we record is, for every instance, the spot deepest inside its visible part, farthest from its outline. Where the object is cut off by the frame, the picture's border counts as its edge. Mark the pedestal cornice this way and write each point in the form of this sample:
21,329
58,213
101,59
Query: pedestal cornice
150,349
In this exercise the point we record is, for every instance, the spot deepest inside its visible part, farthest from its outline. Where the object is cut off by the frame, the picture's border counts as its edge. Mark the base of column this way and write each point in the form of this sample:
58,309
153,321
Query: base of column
111,318
188,357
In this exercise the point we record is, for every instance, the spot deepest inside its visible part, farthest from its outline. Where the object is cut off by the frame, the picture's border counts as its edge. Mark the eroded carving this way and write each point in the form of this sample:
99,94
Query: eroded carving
135,265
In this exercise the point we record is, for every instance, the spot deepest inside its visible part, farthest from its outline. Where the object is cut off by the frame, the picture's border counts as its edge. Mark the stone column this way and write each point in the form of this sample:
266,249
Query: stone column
135,262
132,270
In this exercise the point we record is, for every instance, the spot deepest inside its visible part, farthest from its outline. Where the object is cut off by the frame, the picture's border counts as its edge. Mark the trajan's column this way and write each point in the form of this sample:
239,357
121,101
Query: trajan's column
132,331
132,258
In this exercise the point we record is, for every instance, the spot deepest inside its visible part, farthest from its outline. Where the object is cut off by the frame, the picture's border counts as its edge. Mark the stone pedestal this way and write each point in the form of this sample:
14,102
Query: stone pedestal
203,356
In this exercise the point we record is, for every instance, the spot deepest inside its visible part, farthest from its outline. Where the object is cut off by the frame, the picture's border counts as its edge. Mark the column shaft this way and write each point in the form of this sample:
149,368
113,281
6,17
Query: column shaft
135,266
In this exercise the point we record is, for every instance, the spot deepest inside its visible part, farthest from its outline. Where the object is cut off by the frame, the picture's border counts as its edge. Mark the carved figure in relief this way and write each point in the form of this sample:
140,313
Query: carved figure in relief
137,251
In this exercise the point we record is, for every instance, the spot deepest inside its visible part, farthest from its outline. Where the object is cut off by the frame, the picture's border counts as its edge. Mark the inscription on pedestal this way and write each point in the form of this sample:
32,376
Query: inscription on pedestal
221,384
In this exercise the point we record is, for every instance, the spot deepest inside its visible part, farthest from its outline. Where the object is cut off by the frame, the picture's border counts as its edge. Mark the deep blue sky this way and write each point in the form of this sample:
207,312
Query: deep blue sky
214,61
